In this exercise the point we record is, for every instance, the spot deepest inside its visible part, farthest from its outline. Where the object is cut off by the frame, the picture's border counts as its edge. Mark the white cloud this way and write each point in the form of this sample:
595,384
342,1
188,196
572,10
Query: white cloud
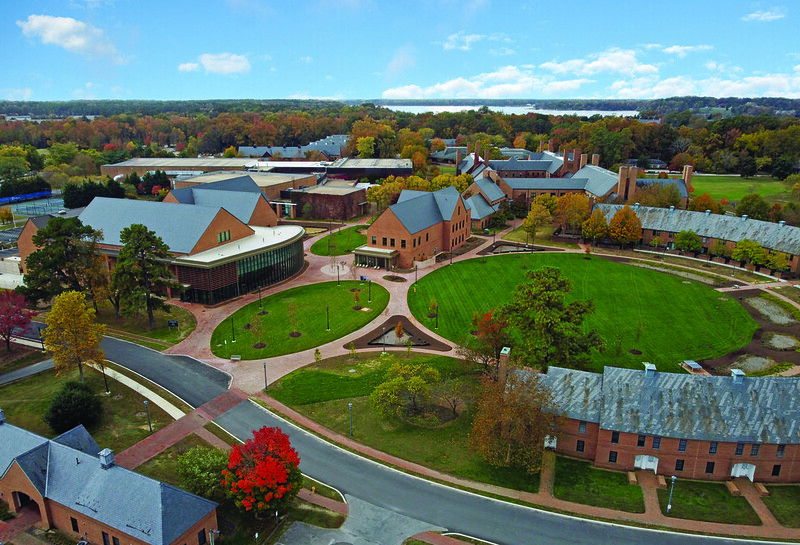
683,50
721,67
612,60
87,93
785,85
765,16
306,59
403,60
189,67
502,51
505,82
73,35
21,93
224,63
461,41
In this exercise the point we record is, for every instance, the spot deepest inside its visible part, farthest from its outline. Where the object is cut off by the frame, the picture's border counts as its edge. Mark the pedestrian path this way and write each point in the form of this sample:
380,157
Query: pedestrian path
27,517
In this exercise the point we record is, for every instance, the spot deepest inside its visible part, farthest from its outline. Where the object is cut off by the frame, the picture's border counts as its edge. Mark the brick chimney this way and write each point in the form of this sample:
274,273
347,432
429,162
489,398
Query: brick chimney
596,159
106,458
687,176
622,182
458,157
550,145
502,363
477,153
486,157
584,159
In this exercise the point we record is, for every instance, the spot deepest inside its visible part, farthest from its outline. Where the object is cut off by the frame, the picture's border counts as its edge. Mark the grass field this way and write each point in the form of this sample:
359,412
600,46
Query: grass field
542,238
578,482
309,320
342,241
665,317
733,188
784,502
708,502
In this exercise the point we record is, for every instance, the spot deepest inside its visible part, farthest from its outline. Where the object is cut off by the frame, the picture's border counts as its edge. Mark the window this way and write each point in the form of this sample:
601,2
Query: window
712,448
391,243
656,443
374,240
612,456
413,243
642,439
776,470
106,541
74,522
678,465
581,446
754,450
224,236
383,241
709,468
682,445
426,237
656,233
672,235
781,448
201,537
115,540
739,449
582,428
614,437
403,243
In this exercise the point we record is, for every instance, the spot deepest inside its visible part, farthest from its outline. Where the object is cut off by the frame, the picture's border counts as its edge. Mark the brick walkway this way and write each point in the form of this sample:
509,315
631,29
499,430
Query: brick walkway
27,517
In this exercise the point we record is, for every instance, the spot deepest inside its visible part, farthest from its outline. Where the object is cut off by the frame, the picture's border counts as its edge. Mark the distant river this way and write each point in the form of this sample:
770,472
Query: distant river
517,110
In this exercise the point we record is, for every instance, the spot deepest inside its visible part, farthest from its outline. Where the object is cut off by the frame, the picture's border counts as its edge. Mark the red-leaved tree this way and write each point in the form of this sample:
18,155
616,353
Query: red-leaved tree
14,314
263,475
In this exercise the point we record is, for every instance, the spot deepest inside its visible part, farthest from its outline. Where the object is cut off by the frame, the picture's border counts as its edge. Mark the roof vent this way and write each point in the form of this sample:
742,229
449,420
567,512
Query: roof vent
738,376
744,217
671,208
781,223
2,417
649,370
636,206
708,212
106,458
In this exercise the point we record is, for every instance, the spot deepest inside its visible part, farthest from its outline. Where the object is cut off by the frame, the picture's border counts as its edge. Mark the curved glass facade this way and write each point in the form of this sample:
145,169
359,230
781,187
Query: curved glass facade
218,284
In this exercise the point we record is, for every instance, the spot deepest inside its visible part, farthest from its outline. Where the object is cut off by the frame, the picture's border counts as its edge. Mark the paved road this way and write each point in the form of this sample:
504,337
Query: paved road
459,511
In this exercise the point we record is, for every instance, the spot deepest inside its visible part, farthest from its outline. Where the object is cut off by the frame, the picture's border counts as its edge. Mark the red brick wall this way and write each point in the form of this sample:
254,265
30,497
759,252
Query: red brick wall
263,215
208,279
25,244
569,435
15,480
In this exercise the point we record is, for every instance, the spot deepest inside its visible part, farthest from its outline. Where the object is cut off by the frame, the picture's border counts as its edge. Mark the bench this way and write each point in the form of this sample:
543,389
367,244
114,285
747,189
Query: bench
732,488
662,482
632,478
761,489
236,358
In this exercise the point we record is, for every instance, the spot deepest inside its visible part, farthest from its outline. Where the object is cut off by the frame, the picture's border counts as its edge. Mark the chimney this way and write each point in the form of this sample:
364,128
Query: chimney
502,364
584,159
486,157
458,157
106,458
477,153
469,148
2,417
744,217
622,178
550,145
596,159
781,223
738,376
541,146
708,212
687,176
649,370
671,208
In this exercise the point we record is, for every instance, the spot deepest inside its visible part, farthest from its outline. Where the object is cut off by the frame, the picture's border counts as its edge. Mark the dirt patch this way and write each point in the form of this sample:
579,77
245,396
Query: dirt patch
431,315
394,278
771,311
779,341
295,334
263,313
247,326
428,416
357,307
259,345
635,352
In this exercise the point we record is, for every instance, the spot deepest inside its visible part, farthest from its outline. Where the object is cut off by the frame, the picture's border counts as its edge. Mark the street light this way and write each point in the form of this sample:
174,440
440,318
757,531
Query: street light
669,504
384,339
337,275
146,408
369,285
328,316
351,418
259,308
437,317
105,380
415,274
41,338
211,535
233,333
265,377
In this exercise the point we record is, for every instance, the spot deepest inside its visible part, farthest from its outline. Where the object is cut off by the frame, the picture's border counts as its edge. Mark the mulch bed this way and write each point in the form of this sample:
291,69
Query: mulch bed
389,324
295,334
489,250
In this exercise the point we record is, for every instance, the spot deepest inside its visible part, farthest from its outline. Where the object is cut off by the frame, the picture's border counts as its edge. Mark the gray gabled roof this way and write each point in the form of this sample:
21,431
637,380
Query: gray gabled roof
490,189
524,184
677,182
14,442
418,210
598,181
34,464
577,393
79,439
180,226
783,238
239,196
479,208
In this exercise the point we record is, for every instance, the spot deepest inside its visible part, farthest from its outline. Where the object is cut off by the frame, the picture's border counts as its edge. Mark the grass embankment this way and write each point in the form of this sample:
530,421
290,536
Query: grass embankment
309,319
340,242
707,502
323,391
542,238
633,307
733,188
124,420
784,502
577,481
138,330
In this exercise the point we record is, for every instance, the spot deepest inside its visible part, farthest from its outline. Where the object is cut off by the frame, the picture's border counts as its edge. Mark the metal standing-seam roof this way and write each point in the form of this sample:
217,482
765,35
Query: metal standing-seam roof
418,210
775,236
490,189
598,181
180,226
524,184
239,196
479,208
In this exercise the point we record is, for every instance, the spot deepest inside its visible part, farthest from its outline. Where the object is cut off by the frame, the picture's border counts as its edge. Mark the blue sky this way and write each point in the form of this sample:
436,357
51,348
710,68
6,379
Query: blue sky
362,49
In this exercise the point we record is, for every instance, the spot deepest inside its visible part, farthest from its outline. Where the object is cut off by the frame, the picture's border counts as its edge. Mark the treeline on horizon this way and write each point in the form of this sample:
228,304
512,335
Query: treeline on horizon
57,109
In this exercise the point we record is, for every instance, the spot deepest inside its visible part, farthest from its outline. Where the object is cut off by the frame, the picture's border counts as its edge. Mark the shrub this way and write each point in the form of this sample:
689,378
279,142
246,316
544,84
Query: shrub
74,404
200,470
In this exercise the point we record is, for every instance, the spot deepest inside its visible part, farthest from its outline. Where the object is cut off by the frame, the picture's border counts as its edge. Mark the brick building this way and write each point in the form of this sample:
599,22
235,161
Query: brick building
692,426
78,489
417,228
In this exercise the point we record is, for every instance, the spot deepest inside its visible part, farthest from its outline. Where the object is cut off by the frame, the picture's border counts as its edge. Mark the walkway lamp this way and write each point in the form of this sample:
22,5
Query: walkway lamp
146,408
369,287
233,333
337,275
415,274
105,380
669,503
384,339
266,386
211,535
328,316
437,316
260,307
351,418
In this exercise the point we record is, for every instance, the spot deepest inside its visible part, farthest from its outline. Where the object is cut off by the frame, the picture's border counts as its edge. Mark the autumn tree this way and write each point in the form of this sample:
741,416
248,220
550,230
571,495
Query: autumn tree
406,386
539,216
398,330
659,195
6,215
546,200
625,226
572,209
142,269
200,471
596,227
263,474
551,330
688,241
14,315
72,334
704,202
512,419
483,348
777,261
754,207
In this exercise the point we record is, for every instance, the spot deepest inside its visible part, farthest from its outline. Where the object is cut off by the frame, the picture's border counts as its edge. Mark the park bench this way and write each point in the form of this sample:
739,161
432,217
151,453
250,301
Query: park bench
236,358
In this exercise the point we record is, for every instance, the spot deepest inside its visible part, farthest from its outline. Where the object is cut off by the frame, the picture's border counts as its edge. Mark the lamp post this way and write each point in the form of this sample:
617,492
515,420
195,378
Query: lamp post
41,338
437,316
328,316
105,380
233,333
369,287
211,535
669,504
351,418
384,339
337,275
266,386
146,408
260,307
415,274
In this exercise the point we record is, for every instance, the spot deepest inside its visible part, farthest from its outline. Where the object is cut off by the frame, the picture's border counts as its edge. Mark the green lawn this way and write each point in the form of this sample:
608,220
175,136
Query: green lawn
733,188
707,502
341,241
124,422
322,392
784,502
542,238
658,314
310,321
164,466
577,481
163,335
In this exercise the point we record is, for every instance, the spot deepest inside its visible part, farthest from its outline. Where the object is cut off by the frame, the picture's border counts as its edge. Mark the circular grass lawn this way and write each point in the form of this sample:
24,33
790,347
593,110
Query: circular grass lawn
342,242
279,329
664,317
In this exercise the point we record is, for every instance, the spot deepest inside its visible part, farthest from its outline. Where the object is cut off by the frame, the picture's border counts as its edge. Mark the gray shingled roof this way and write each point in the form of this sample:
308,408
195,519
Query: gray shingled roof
179,225
479,208
79,439
783,238
545,183
418,210
490,189
577,393
139,506
599,181
239,196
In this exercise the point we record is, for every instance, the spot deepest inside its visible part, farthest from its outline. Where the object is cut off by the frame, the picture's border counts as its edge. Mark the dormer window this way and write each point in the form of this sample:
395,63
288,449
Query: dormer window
224,236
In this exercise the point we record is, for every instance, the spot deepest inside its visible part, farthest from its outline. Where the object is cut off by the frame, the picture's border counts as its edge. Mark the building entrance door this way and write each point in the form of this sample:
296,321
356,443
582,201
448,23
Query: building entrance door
643,461
744,470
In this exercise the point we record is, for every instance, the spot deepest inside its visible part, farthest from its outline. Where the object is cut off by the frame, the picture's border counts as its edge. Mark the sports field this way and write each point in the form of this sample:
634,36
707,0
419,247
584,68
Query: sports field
666,318
733,188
